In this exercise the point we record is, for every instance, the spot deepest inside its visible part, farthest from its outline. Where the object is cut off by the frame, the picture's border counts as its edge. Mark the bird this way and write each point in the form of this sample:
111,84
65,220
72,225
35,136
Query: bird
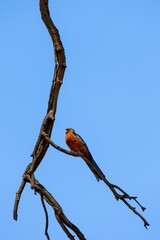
78,145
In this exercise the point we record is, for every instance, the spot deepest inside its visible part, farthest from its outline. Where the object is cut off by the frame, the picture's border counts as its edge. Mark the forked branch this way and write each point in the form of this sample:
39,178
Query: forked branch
43,142
42,145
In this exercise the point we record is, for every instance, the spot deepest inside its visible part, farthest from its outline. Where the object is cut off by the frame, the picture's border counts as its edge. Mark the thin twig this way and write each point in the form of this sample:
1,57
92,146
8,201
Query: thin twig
46,137
46,214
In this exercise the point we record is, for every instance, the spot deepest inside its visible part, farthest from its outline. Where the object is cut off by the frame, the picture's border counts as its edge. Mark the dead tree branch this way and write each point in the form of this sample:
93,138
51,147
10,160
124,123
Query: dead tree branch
42,145
46,214
123,196
59,214
44,141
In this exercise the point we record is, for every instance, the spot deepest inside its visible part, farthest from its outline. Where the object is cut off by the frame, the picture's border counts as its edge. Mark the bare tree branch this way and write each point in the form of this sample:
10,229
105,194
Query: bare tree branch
17,199
46,214
123,196
48,197
43,142
58,147
42,145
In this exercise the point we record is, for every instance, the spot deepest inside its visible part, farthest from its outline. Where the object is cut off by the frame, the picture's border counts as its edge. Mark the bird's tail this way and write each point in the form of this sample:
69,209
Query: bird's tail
96,171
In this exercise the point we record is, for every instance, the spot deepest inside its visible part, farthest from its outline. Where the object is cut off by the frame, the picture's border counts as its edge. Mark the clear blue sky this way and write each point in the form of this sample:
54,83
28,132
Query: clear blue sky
110,95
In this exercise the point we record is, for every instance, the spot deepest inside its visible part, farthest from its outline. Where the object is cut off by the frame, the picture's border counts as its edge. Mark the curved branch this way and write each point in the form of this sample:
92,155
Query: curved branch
42,145
17,199
58,147
123,196
44,141
60,65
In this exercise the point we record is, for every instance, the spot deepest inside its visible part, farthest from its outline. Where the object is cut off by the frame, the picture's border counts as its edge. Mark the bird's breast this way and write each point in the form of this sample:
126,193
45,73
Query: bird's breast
72,143
76,145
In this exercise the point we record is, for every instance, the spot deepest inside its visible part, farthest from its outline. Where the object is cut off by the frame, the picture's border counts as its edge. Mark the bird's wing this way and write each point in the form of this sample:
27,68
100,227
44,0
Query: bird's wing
92,160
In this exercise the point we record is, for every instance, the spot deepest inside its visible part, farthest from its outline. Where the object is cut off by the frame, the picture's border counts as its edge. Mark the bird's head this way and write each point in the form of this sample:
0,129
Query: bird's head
70,130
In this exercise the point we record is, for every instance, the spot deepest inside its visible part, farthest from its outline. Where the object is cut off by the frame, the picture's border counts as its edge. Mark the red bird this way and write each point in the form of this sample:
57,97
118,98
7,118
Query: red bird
77,144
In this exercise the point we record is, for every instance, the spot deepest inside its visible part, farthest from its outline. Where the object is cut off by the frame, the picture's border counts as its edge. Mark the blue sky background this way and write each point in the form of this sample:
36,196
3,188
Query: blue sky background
110,95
